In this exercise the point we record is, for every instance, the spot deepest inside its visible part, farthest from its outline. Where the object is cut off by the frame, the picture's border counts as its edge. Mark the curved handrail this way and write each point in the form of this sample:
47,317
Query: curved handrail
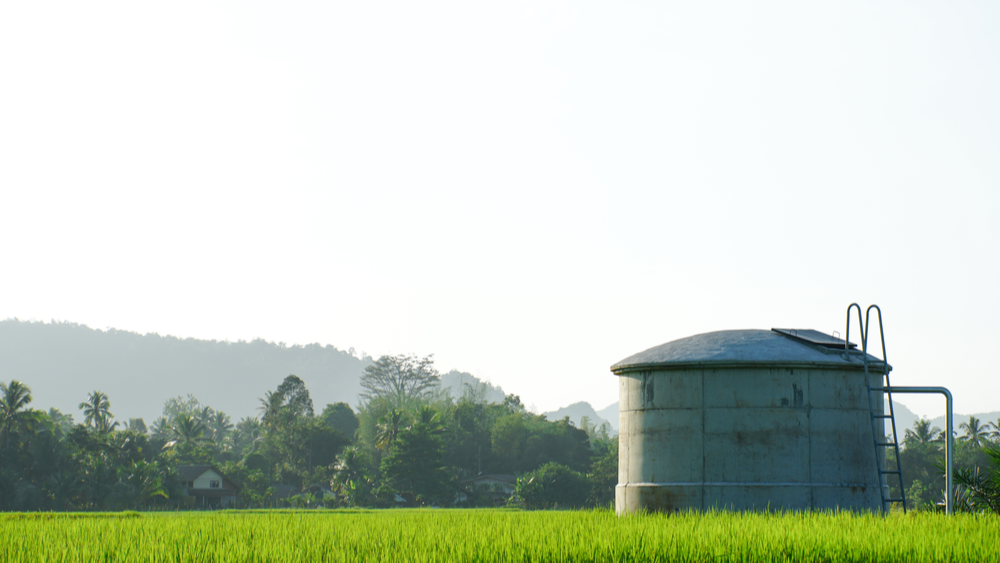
847,332
881,331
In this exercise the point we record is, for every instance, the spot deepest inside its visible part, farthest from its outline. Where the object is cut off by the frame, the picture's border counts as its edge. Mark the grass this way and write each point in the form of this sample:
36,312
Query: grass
496,535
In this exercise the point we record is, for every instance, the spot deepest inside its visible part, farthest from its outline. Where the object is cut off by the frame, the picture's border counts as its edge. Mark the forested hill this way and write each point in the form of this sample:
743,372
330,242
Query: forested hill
63,362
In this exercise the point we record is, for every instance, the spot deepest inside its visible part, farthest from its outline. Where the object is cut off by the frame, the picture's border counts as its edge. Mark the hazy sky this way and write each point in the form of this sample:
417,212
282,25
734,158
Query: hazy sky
529,190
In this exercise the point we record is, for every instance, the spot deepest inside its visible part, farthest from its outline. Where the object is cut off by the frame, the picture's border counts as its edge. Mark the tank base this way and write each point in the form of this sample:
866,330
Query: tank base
656,497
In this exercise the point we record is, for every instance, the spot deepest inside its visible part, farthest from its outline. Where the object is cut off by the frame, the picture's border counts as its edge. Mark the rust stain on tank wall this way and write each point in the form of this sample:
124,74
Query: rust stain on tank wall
660,499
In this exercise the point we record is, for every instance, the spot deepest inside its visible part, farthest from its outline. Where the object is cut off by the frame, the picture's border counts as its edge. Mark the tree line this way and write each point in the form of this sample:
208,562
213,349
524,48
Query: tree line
976,466
407,443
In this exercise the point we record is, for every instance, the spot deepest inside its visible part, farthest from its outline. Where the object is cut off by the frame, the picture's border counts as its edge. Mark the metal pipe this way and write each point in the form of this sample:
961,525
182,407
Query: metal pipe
949,449
847,330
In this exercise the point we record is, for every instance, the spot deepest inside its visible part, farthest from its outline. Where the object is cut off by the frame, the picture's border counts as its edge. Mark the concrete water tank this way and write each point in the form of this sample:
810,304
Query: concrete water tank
748,420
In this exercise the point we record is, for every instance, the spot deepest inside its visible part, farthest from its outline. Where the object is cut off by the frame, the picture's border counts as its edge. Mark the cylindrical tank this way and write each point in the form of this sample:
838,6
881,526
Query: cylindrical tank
748,420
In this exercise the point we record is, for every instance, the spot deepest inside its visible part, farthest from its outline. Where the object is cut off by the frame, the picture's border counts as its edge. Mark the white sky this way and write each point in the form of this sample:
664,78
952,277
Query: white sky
531,191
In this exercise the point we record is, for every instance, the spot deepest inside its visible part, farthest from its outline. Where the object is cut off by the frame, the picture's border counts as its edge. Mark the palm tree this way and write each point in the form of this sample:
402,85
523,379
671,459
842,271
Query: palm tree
430,417
270,407
975,433
249,433
922,433
95,410
161,429
137,425
221,426
15,397
63,422
388,428
105,425
995,433
349,467
188,429
980,486
205,417
141,482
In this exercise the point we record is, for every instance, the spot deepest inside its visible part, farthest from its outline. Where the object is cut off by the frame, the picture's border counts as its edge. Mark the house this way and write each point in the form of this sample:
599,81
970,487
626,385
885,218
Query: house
283,492
207,486
500,487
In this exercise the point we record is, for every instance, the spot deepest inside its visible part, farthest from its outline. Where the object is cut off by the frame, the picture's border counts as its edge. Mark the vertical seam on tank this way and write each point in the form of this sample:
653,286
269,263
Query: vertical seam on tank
703,410
808,408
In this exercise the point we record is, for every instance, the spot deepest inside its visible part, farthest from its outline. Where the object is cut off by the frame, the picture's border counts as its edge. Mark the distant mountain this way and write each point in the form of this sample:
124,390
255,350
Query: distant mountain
983,417
610,413
63,362
577,411
905,419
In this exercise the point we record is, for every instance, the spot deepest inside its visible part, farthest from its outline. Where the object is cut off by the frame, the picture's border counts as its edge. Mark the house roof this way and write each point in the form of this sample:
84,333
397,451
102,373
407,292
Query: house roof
192,472
503,477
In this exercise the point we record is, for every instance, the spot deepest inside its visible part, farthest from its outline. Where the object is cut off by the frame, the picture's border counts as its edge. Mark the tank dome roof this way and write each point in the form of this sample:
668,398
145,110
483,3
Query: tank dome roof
728,348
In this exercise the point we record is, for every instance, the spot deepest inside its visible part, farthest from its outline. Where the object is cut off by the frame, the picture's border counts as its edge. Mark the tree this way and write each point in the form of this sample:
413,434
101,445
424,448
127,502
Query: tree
351,477
512,403
257,491
138,482
388,429
220,427
270,407
161,429
181,405
137,425
976,434
557,441
980,488
922,433
96,410
188,441
603,477
399,378
105,425
247,435
188,430
413,467
919,459
205,416
304,451
551,486
63,422
13,413
295,396
507,439
995,433
340,417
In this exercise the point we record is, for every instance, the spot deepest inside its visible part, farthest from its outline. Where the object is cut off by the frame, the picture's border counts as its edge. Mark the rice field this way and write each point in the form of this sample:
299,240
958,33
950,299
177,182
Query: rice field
495,535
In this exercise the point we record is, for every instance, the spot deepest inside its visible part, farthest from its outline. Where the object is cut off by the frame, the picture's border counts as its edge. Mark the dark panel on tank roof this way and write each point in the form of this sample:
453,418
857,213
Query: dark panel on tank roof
813,337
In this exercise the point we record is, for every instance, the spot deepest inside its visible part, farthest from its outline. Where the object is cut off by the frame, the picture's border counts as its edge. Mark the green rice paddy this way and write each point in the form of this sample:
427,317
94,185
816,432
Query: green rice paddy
496,535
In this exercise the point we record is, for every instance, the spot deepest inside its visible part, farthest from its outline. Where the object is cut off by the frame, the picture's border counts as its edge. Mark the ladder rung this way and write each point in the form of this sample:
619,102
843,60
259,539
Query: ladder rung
893,472
883,444
881,416
893,500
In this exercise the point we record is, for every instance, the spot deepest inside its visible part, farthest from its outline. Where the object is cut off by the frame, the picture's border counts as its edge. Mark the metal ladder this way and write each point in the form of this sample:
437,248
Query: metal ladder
878,420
